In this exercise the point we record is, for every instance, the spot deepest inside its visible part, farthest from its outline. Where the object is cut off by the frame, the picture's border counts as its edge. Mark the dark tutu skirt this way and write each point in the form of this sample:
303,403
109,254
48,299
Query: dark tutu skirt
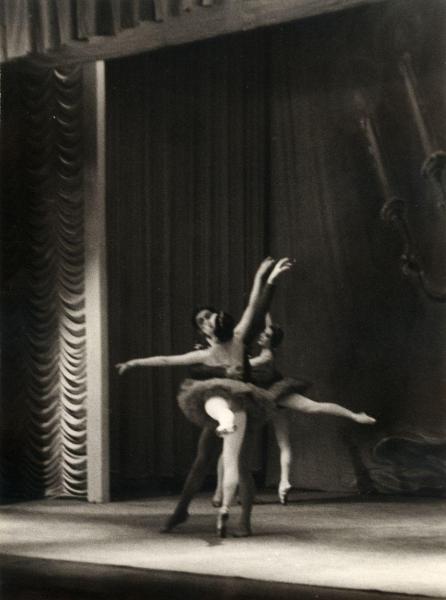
288,386
258,403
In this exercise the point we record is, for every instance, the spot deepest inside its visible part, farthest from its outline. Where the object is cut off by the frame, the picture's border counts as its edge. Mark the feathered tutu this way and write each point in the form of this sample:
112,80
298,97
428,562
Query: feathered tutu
258,403
287,386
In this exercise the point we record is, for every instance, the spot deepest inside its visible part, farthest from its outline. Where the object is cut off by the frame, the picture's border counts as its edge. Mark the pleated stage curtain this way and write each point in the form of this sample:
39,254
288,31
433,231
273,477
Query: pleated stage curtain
324,213
39,26
186,222
43,383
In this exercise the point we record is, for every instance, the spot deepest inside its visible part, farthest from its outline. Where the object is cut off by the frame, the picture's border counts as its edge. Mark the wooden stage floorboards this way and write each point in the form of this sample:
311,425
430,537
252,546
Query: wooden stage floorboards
319,546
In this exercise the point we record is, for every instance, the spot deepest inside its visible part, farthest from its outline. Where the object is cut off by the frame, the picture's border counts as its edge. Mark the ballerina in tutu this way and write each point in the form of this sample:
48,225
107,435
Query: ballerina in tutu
288,393
229,402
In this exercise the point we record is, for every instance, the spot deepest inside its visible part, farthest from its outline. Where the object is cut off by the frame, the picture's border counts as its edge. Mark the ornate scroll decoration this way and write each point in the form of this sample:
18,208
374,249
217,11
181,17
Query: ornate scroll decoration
394,209
434,165
398,38
56,454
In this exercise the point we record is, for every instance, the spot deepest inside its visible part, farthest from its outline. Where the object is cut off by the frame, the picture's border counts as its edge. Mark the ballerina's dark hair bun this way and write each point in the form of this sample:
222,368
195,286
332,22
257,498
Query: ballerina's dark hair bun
276,336
224,326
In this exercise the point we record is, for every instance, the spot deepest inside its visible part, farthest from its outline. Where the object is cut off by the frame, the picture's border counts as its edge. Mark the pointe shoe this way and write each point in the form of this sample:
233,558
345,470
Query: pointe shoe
223,430
283,492
174,520
365,419
222,521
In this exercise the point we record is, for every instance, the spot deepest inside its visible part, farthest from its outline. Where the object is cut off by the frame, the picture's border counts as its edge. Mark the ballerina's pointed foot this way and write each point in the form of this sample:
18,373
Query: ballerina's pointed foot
283,492
176,519
223,430
216,501
222,523
365,419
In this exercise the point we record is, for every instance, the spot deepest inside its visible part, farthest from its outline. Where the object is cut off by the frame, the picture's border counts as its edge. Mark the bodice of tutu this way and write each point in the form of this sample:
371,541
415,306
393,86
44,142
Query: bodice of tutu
229,383
203,372
265,374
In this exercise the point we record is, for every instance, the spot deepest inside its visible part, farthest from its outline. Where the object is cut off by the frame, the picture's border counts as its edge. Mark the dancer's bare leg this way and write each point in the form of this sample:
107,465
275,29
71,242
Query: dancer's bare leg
218,494
282,431
247,486
303,404
218,409
208,446
232,444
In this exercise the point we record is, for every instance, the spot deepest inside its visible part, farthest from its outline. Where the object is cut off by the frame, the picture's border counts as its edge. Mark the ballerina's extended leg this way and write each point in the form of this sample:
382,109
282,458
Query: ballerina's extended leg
303,404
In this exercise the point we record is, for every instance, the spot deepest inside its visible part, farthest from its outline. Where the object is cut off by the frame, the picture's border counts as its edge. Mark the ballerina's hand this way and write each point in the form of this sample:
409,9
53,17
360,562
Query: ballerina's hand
122,368
282,265
265,266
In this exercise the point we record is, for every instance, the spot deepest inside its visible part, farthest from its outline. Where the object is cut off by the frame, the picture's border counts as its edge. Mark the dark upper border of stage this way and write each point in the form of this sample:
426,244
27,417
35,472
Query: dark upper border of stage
122,28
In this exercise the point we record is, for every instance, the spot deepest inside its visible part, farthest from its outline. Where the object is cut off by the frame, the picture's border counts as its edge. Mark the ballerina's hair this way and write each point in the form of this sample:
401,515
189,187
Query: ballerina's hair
276,336
224,324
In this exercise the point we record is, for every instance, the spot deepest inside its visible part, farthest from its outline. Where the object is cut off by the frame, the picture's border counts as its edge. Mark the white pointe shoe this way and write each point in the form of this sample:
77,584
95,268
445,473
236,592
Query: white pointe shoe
283,491
365,419
223,430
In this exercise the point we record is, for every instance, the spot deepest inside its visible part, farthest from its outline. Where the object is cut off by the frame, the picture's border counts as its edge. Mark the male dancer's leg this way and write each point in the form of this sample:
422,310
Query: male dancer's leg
208,446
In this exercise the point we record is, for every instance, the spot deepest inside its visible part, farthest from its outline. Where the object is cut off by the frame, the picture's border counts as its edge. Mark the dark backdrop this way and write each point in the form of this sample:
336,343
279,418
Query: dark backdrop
219,153
223,151
186,208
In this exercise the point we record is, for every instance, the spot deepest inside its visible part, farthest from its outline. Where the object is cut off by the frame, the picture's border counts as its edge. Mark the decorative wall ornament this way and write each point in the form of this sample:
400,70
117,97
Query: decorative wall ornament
55,462
434,165
394,209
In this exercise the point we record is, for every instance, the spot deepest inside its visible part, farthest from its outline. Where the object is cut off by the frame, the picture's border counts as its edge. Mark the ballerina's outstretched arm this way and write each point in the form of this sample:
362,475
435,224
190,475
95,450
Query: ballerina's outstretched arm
252,320
189,358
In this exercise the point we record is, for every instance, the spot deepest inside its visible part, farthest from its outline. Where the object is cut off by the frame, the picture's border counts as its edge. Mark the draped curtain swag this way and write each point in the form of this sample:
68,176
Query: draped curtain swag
45,447
38,26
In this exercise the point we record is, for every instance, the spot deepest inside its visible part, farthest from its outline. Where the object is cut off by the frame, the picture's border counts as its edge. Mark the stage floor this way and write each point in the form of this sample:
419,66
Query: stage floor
392,545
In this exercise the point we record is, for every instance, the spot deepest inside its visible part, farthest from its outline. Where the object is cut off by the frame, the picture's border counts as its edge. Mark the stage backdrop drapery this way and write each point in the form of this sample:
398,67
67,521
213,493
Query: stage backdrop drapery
185,138
186,223
218,153
367,337
43,378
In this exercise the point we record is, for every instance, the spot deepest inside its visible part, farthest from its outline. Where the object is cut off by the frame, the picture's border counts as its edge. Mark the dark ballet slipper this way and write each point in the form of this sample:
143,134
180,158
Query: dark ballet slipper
242,532
222,521
176,519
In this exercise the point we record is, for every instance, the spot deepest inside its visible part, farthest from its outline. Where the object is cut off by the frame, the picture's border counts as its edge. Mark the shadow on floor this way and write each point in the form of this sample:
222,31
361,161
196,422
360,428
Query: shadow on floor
41,579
